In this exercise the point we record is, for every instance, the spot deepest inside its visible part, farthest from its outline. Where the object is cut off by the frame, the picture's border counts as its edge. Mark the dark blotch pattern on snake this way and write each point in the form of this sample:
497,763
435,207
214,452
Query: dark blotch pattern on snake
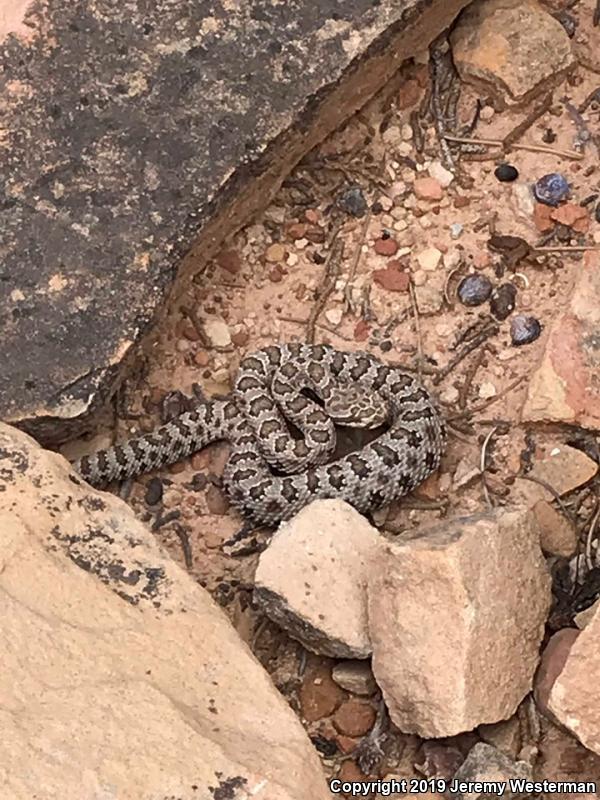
268,390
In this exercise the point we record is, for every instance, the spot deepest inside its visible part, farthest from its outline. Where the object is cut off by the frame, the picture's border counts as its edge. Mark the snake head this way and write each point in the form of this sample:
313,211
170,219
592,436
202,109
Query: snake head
356,407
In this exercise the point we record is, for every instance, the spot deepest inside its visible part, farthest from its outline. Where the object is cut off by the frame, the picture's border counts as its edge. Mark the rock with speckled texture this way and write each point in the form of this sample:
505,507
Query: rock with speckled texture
120,675
135,134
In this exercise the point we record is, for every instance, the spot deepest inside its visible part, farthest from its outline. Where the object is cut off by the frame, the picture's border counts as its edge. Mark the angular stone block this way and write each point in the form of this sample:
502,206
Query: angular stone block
134,134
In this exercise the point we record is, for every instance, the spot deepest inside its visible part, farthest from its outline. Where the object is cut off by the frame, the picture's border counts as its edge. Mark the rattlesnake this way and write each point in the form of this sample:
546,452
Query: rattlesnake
355,388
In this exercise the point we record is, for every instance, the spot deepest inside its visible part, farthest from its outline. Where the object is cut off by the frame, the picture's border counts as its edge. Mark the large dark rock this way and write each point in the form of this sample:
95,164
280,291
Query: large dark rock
134,132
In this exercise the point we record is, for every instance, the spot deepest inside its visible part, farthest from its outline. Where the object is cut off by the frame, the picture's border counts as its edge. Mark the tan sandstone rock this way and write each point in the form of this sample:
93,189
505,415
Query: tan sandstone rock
120,678
311,579
456,617
565,386
574,697
564,468
513,48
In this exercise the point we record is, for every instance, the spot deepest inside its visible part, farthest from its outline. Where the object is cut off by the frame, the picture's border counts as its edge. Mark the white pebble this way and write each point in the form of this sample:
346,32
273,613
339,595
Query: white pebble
429,258
334,316
217,332
392,135
487,390
442,175
450,395
419,277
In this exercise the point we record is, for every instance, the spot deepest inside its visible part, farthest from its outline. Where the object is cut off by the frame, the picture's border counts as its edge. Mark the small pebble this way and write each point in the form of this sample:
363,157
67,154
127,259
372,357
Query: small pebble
216,502
230,261
568,22
392,279
202,358
487,390
439,173
275,253
385,202
429,258
462,201
487,113
456,230
392,135
524,329
597,213
352,201
334,316
506,173
315,234
429,299
311,216
428,189
154,492
419,277
361,331
297,230
551,189
355,676
474,290
217,332
502,302
386,247
239,338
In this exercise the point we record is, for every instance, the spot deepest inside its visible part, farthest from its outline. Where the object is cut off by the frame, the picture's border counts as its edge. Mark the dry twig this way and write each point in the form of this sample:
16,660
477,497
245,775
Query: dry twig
533,148
327,285
415,309
567,249
468,412
489,330
486,441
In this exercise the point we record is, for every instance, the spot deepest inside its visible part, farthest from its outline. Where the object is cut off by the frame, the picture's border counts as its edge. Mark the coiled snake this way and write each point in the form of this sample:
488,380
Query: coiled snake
355,389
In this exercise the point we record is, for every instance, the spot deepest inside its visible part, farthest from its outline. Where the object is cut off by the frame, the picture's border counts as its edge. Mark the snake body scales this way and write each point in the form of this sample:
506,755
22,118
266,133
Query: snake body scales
271,387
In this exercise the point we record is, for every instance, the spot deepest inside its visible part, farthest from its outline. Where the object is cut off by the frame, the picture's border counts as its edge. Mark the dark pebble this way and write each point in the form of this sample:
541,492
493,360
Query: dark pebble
385,346
568,22
173,404
551,189
474,290
352,201
549,137
506,173
524,329
597,213
327,747
502,302
154,492
198,482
